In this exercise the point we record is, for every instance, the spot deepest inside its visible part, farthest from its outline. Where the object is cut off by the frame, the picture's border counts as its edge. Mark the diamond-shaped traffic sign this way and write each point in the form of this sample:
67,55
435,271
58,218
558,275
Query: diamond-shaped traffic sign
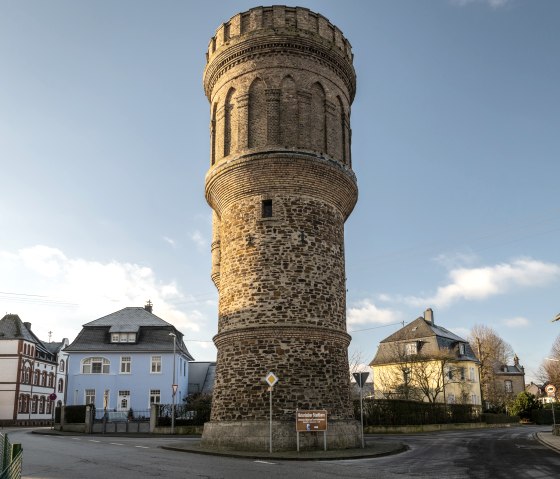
271,379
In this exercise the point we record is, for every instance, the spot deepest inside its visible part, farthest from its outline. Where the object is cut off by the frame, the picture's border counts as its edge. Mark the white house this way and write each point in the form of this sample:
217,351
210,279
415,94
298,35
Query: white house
125,361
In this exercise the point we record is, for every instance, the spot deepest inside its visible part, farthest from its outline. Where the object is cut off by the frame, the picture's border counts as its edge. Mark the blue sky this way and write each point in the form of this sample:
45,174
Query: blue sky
104,144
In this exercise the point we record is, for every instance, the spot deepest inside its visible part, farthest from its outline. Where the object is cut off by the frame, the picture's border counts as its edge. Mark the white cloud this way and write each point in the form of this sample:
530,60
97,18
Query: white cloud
491,3
481,283
170,241
366,313
517,322
199,240
58,293
456,260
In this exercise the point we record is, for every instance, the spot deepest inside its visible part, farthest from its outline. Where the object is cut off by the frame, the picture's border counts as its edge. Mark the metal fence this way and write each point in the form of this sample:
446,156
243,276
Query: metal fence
11,458
185,414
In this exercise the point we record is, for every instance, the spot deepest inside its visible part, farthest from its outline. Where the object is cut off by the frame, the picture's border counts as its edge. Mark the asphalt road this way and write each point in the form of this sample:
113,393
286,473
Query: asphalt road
489,453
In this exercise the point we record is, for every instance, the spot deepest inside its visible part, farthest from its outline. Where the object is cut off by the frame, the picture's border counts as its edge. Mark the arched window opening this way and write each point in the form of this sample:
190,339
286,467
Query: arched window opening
317,126
213,134
95,365
288,112
229,124
257,114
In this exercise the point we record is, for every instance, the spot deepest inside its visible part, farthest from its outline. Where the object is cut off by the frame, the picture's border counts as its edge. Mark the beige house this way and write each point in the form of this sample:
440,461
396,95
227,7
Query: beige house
425,362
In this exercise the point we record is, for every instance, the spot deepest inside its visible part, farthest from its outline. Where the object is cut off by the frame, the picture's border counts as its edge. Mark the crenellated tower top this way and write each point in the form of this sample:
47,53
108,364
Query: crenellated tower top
316,36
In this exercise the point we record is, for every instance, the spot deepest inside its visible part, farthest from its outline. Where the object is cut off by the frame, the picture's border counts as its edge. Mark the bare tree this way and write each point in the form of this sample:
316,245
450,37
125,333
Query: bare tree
549,370
492,352
394,379
420,377
431,374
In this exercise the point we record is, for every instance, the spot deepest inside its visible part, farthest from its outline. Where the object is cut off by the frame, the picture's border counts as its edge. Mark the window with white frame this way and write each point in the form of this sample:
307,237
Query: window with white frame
89,396
462,349
155,365
155,396
474,399
462,372
472,377
61,366
61,385
123,337
411,348
95,366
451,398
125,364
508,386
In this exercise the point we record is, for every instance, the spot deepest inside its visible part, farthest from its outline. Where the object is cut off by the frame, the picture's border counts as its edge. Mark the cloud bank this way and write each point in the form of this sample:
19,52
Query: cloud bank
58,293
484,282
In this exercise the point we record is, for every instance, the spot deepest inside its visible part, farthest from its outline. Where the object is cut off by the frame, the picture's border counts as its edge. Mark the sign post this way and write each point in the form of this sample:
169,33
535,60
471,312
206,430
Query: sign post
271,380
361,379
52,398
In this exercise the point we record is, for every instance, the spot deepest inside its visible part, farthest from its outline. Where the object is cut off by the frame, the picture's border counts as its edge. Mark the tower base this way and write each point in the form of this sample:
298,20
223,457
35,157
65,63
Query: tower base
255,436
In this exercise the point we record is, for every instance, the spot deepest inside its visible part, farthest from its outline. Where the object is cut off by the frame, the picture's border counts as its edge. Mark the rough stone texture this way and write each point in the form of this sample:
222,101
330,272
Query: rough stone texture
280,82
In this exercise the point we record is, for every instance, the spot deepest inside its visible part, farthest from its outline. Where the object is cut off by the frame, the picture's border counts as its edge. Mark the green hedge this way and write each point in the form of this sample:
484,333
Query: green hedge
75,414
396,412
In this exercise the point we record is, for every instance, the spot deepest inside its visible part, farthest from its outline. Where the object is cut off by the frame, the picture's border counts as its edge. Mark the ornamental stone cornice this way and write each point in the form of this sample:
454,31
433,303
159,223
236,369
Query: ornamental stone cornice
282,332
283,171
252,46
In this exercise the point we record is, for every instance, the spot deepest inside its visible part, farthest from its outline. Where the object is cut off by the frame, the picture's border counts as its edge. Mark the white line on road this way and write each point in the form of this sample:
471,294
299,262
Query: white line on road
265,462
116,444
93,440
143,447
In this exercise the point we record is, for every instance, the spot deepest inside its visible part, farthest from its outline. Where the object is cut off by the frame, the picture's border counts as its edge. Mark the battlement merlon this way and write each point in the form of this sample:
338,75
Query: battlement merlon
279,17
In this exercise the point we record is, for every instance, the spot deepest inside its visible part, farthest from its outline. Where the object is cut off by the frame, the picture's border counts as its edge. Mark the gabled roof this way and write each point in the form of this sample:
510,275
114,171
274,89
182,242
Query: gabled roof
420,328
13,328
431,339
152,334
128,317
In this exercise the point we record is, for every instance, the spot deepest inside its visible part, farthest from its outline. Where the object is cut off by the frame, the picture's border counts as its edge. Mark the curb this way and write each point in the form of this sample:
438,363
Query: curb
546,443
311,455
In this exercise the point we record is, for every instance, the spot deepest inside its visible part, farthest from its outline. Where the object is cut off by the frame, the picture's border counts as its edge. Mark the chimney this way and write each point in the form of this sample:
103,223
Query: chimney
429,316
148,306
28,326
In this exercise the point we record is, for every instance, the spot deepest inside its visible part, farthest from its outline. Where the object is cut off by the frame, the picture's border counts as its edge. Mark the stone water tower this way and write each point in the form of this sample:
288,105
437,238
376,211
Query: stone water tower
280,82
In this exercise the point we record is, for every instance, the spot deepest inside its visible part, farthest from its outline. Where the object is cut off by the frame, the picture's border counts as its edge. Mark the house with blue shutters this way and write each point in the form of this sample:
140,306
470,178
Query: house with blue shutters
125,361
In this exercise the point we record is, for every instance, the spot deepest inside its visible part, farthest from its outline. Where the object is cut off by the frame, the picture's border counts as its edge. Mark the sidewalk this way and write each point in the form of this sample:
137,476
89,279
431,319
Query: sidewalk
549,440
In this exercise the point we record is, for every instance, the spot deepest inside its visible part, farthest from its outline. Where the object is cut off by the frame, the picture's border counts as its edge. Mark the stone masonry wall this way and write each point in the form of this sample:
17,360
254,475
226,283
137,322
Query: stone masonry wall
280,83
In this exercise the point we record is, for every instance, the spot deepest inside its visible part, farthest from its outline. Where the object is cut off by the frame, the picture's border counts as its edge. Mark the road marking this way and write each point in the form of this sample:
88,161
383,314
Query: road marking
93,440
143,447
116,444
76,438
265,462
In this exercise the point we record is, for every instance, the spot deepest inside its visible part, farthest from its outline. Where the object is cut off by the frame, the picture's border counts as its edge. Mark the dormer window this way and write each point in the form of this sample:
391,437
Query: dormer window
461,349
123,337
411,348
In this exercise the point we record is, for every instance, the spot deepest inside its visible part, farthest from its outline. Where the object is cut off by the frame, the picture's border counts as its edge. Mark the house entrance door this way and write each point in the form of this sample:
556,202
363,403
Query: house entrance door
123,403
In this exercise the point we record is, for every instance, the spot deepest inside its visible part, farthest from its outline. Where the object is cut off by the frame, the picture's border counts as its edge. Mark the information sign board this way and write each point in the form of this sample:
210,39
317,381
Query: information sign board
311,420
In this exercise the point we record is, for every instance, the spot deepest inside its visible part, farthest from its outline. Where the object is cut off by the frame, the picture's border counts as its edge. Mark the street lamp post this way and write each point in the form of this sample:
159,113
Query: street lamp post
173,387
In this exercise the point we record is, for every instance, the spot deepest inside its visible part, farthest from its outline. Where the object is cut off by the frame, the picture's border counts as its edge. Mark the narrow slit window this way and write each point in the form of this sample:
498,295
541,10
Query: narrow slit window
267,209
